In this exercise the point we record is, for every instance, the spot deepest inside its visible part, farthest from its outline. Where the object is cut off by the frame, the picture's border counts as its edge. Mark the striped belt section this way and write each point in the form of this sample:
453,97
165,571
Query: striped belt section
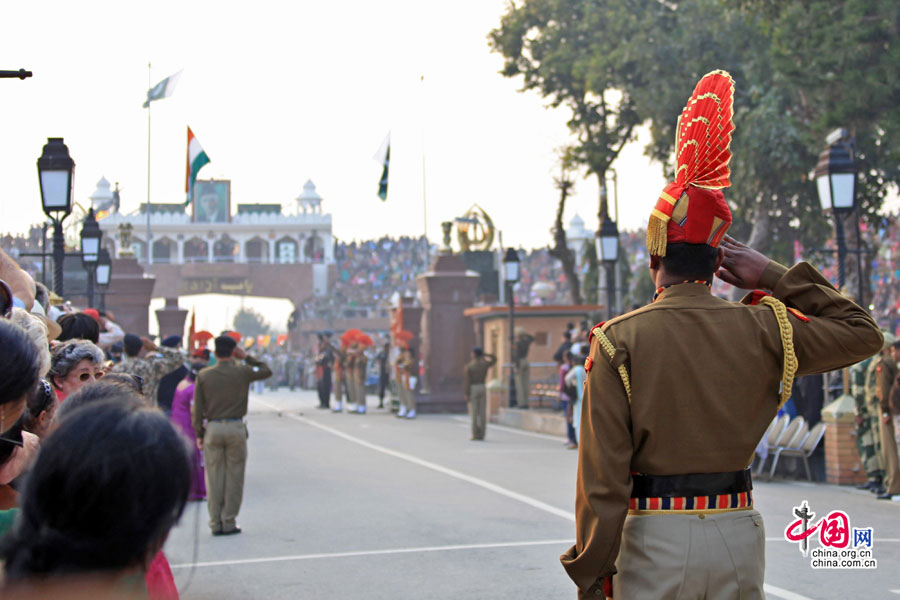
742,500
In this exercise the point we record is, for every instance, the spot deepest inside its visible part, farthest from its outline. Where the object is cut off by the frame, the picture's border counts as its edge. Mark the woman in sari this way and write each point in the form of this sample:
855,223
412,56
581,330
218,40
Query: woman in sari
182,403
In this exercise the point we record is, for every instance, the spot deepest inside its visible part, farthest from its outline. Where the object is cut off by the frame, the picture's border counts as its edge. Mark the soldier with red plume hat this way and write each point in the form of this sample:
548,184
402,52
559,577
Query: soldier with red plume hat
679,392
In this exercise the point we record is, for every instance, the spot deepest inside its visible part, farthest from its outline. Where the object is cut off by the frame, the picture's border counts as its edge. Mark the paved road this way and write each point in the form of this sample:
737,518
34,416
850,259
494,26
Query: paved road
346,506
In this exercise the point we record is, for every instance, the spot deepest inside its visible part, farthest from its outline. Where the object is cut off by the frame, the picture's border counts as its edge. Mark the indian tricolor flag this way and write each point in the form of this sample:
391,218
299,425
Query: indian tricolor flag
196,158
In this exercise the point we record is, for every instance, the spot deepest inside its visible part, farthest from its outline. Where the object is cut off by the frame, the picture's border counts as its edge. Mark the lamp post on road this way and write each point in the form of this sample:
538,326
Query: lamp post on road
607,241
56,171
90,251
510,277
103,275
835,175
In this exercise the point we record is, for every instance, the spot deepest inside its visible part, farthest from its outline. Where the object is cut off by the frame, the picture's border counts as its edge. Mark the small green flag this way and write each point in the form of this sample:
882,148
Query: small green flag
163,89
383,157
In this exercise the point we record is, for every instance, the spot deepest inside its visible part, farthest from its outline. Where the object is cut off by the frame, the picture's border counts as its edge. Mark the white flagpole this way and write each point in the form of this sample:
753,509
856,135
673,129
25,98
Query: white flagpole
424,198
148,244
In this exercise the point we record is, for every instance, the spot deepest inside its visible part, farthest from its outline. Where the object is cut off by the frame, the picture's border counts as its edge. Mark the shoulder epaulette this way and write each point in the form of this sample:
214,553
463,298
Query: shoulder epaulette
594,329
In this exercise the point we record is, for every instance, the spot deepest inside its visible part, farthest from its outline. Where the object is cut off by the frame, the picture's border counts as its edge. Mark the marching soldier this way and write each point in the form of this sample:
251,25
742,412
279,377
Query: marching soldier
867,433
679,392
360,363
474,375
407,371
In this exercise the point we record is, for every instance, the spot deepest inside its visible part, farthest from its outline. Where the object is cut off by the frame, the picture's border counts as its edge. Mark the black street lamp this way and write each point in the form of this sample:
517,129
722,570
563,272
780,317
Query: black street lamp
56,170
835,175
607,242
510,277
90,251
103,275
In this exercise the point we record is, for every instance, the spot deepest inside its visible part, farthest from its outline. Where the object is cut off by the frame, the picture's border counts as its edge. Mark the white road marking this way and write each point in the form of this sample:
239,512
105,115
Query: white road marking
249,561
782,593
504,428
493,487
895,592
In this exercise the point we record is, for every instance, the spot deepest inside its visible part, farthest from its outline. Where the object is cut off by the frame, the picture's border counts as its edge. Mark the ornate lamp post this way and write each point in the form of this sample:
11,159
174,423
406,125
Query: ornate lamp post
836,181
103,275
510,277
607,241
90,251
56,171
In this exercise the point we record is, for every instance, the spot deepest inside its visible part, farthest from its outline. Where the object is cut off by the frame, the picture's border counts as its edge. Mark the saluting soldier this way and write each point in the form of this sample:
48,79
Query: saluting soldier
679,392
474,375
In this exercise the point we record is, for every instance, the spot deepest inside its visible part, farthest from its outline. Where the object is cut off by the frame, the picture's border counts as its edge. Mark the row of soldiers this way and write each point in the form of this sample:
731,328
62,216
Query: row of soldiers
344,370
876,391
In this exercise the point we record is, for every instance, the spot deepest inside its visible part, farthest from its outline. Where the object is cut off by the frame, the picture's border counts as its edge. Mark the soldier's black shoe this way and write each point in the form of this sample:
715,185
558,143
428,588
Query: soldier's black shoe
867,485
878,490
884,496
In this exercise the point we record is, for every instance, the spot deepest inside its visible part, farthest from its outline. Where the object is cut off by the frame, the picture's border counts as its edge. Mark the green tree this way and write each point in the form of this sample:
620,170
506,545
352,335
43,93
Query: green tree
249,322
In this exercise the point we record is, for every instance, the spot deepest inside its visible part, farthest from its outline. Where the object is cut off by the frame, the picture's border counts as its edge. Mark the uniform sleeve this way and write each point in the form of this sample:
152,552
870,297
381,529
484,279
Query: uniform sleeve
466,382
604,476
834,332
257,369
491,360
168,360
198,409
894,397
883,383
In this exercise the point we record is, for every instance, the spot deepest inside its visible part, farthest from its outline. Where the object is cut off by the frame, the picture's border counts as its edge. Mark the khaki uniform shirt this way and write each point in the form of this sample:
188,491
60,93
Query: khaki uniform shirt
476,371
705,378
221,390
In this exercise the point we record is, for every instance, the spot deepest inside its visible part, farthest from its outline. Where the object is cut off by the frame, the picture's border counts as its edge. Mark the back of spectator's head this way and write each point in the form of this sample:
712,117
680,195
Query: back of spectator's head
225,346
37,331
173,341
129,471
41,409
108,390
20,363
131,381
132,344
78,326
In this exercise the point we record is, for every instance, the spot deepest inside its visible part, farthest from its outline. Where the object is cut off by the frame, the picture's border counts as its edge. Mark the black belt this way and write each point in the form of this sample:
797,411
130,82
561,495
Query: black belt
224,420
695,484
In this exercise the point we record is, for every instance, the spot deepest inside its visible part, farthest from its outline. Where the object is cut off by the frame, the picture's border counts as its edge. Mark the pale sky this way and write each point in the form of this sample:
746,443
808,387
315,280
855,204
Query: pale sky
278,93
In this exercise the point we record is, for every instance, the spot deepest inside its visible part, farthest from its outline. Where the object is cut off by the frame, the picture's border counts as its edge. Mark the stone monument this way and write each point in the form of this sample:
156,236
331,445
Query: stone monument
447,290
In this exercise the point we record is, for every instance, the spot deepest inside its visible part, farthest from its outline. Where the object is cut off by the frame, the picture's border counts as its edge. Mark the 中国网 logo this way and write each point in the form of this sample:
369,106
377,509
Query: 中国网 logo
840,546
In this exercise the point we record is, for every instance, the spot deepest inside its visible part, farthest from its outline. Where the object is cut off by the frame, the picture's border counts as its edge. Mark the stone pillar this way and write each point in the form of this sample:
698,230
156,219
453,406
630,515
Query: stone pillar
180,243
842,463
171,319
129,294
447,334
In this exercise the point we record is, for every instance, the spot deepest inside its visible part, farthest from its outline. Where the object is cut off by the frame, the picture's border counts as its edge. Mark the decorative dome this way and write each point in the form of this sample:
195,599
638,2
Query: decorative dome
309,192
577,223
102,198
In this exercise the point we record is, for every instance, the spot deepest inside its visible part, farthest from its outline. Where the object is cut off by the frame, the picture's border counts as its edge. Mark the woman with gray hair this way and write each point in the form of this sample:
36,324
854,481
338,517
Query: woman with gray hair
73,364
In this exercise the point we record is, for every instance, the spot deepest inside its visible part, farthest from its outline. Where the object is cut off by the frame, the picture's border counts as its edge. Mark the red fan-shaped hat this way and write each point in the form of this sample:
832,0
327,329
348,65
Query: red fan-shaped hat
351,336
202,337
234,335
365,340
692,209
403,336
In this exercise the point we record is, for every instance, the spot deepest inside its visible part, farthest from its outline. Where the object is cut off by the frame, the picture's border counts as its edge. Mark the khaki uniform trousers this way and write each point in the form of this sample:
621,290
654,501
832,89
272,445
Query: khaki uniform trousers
407,397
889,458
522,383
359,393
718,556
478,410
225,455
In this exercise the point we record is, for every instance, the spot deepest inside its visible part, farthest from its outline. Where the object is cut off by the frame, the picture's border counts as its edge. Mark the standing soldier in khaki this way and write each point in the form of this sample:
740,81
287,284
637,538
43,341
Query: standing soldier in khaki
220,397
520,359
407,370
474,375
679,392
885,374
869,457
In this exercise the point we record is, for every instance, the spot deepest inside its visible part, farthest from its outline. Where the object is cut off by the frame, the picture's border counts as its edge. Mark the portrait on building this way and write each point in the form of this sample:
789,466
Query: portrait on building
212,201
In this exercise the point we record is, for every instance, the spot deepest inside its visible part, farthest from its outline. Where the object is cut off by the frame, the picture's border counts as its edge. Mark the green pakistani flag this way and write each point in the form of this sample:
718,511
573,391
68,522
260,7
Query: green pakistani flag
383,157
163,89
